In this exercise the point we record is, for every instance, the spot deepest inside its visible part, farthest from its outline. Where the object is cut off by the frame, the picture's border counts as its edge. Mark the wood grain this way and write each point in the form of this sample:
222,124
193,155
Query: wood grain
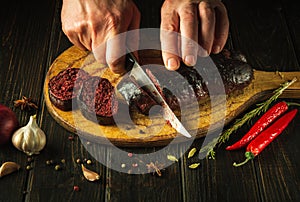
21,73
260,88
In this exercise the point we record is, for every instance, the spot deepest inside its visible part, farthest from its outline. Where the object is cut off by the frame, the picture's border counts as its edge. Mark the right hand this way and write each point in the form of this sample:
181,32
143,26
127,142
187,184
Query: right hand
89,24
203,22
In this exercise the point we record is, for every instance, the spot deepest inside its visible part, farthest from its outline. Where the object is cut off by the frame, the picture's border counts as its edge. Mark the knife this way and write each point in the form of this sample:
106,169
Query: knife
143,80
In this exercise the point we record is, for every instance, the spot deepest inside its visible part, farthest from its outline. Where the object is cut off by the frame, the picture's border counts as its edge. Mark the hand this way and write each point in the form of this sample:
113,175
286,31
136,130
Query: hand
92,25
202,21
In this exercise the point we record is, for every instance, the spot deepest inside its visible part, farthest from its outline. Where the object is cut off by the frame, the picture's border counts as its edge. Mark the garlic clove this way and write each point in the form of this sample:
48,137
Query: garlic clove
89,175
8,167
30,139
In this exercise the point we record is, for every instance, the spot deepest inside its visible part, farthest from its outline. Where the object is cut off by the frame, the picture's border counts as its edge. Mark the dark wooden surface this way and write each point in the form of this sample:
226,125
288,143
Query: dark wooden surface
268,32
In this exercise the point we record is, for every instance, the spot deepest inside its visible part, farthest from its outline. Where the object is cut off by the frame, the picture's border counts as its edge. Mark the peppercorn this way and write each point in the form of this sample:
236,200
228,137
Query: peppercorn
49,162
57,167
76,188
29,159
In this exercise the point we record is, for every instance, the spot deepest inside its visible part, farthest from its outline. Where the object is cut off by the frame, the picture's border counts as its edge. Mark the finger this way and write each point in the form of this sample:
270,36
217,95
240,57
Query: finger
115,51
132,37
189,33
99,52
73,37
221,29
169,37
86,41
83,35
207,26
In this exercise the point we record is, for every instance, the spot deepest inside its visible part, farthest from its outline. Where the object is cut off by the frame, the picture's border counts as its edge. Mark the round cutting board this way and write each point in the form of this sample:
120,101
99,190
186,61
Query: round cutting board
154,131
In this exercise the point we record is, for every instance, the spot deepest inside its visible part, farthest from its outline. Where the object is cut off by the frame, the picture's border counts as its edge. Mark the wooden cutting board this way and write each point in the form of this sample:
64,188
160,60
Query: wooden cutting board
155,131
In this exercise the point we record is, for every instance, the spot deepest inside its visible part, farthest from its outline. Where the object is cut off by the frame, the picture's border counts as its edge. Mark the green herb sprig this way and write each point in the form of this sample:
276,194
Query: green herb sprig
261,108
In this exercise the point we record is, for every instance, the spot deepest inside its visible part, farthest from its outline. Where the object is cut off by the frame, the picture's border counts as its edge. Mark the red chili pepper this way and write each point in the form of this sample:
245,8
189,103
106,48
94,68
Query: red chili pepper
267,136
265,120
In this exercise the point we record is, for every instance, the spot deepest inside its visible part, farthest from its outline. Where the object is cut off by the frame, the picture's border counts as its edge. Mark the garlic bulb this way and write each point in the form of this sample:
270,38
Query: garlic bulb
30,139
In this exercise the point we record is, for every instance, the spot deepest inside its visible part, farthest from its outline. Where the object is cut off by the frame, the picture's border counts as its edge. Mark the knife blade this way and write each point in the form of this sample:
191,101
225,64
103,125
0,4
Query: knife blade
146,83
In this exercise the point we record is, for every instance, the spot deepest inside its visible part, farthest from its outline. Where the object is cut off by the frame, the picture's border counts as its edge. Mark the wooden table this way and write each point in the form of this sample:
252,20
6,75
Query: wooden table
267,32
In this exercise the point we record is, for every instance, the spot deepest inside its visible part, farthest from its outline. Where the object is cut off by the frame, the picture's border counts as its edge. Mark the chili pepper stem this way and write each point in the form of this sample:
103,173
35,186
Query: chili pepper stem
248,155
293,104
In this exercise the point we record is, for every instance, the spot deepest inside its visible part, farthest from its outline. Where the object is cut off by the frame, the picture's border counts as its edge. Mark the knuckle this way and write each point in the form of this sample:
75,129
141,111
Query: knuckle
67,31
170,27
188,14
166,7
80,27
169,22
112,21
206,8
191,45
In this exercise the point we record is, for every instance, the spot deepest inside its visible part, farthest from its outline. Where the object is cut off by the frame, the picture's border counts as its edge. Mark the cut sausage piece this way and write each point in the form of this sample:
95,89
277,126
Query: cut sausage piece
64,87
97,100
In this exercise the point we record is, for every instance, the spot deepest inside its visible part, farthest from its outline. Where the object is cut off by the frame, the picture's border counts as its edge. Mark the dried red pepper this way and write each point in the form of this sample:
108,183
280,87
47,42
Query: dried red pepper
265,120
267,136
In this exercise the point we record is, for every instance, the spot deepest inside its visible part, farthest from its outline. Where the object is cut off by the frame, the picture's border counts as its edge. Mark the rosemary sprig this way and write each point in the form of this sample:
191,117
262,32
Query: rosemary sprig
261,108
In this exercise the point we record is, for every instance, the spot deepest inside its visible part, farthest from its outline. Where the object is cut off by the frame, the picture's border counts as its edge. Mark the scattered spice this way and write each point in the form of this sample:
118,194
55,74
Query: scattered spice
123,165
89,162
25,103
192,152
135,165
8,168
28,167
29,159
172,158
267,136
78,161
57,167
76,188
63,161
194,165
89,175
129,154
155,168
49,162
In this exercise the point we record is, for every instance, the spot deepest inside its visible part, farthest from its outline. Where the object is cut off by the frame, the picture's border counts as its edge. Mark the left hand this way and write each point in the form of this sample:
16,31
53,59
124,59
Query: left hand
202,21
